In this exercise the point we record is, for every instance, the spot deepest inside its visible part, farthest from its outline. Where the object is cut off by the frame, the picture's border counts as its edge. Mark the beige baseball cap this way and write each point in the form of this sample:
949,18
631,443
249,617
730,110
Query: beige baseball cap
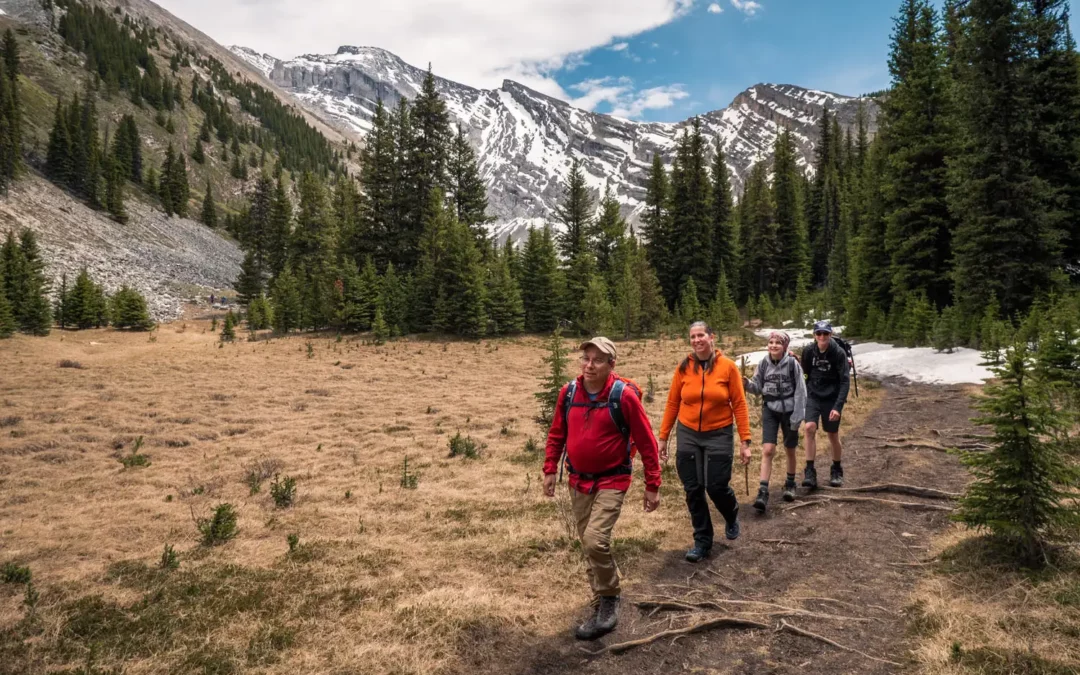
605,346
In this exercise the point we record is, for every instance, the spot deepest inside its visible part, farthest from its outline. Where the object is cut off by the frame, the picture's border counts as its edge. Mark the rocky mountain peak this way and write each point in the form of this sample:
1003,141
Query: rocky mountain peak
526,140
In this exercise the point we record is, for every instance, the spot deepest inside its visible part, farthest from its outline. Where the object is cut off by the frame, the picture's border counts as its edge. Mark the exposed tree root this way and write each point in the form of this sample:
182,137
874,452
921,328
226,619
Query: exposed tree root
711,624
913,506
897,488
794,630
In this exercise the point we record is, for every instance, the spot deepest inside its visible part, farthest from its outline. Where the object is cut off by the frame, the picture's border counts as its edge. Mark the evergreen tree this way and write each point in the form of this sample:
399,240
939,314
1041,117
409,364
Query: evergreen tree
1024,487
27,286
228,328
280,229
823,206
574,212
179,189
128,310
198,154
260,316
1007,242
758,234
7,318
654,311
375,234
691,231
430,122
83,305
285,302
11,54
689,305
58,161
466,188
165,182
504,307
916,130
380,331
542,284
1052,77
249,284
657,227
394,300
127,149
723,313
368,283
114,190
610,229
945,331
919,319
790,257
627,300
208,215
553,382
869,277
596,311
725,244
460,304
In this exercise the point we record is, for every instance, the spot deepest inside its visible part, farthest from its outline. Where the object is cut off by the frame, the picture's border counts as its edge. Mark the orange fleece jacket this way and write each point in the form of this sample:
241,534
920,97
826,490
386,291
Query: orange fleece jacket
707,401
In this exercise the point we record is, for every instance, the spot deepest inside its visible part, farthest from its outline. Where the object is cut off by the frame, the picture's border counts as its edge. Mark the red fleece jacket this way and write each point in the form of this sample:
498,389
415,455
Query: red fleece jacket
594,444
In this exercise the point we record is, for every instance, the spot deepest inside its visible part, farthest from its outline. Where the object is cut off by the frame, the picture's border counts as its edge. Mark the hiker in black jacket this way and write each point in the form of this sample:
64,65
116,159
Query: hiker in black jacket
827,382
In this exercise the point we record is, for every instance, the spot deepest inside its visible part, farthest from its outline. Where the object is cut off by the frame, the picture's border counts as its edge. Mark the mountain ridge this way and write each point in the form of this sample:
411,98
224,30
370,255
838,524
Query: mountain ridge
525,139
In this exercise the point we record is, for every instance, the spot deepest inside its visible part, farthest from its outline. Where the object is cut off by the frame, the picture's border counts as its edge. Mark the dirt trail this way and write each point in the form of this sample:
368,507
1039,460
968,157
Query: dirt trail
864,556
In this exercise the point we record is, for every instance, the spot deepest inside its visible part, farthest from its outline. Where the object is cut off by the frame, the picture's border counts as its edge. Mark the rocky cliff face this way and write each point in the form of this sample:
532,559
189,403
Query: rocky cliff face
526,140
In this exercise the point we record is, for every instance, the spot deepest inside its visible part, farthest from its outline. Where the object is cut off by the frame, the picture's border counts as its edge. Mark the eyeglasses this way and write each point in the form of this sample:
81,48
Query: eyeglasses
822,333
595,362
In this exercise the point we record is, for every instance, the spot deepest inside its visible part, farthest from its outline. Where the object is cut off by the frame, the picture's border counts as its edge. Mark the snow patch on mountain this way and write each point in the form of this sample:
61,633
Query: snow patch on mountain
526,141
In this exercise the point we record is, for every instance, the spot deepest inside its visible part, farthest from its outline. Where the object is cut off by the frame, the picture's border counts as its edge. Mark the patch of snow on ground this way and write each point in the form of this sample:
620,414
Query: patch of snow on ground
920,364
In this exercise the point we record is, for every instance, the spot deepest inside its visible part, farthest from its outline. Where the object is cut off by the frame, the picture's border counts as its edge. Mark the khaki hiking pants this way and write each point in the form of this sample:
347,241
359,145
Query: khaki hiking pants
596,514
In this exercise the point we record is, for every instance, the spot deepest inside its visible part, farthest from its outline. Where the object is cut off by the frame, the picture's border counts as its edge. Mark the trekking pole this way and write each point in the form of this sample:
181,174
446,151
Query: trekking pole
746,474
855,378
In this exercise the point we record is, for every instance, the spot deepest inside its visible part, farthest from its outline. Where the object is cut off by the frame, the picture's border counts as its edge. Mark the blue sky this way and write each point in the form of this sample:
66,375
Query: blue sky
658,60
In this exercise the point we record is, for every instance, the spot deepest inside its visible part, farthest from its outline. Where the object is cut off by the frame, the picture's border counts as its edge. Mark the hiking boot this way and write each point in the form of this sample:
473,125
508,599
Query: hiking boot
836,476
587,630
697,554
762,501
608,616
810,478
789,491
732,529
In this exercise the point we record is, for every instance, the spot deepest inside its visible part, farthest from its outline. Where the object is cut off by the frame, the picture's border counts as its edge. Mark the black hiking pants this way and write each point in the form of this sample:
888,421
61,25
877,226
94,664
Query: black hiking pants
703,460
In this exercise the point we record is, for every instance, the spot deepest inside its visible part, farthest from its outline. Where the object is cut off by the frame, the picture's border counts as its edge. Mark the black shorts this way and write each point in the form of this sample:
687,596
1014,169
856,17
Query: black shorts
817,408
771,424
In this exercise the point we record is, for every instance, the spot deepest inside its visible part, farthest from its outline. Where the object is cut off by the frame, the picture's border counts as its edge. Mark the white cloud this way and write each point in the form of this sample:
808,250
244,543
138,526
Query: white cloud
715,8
747,7
619,46
476,42
623,99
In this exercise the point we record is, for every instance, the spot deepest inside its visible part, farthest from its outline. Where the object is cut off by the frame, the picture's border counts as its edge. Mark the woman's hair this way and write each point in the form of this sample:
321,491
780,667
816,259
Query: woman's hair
693,359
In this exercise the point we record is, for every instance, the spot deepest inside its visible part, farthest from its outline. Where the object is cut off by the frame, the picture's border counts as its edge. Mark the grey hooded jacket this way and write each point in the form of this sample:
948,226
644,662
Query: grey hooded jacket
782,385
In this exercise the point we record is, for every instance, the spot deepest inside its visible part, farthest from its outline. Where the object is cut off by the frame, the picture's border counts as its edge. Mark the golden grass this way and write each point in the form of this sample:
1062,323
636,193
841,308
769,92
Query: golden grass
386,579
976,613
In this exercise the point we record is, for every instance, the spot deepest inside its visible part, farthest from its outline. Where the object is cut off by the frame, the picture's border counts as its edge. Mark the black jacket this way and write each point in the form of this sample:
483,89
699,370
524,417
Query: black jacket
828,375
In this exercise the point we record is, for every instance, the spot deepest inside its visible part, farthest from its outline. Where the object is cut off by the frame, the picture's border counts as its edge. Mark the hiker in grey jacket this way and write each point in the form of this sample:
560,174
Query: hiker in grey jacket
779,381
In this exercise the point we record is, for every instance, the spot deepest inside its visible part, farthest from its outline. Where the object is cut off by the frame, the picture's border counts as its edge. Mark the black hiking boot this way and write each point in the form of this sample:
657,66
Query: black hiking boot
789,491
732,529
697,554
836,476
608,616
762,501
587,630
810,478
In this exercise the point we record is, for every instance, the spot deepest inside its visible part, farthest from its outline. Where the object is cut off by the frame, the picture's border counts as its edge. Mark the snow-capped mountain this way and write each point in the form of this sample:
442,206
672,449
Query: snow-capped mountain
525,140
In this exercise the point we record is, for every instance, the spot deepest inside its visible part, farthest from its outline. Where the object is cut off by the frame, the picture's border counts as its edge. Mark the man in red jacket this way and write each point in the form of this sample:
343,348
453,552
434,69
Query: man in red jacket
604,416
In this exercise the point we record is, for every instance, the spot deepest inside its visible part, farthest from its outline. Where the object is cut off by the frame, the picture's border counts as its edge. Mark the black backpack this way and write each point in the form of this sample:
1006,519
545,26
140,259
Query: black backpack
846,346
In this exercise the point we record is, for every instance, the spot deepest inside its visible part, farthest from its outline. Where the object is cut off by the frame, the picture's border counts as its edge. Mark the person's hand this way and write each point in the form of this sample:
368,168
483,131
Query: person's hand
744,453
652,500
834,416
549,485
662,446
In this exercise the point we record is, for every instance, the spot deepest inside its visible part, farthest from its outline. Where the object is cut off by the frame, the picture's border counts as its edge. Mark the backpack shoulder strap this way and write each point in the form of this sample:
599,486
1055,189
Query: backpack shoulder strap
568,400
615,407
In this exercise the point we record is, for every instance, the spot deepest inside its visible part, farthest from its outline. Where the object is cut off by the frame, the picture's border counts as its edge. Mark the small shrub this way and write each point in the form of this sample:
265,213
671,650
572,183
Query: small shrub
293,541
348,494
283,490
68,363
409,481
11,573
464,447
135,458
650,389
258,471
310,350
9,421
219,528
30,598
169,559
213,325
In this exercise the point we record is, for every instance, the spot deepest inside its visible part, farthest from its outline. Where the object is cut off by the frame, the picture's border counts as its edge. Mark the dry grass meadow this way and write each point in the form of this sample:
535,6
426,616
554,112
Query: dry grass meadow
461,573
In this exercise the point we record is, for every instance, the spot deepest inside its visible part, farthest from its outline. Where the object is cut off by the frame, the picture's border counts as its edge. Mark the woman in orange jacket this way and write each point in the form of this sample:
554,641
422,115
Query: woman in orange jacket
707,400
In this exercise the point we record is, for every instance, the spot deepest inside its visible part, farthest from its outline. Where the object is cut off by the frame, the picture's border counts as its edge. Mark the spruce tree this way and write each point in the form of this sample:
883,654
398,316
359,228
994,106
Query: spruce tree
654,311
379,330
542,283
466,188
610,228
285,302
249,284
790,257
504,308
689,304
30,287
596,311
460,305
945,333
198,154
179,189
553,382
394,299
823,206
430,123
627,300
11,54
7,318
657,227
723,313
228,328
375,232
916,128
725,245
1007,242
58,160
128,310
574,212
691,231
369,290
114,190
1024,487
758,234
280,229
208,215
